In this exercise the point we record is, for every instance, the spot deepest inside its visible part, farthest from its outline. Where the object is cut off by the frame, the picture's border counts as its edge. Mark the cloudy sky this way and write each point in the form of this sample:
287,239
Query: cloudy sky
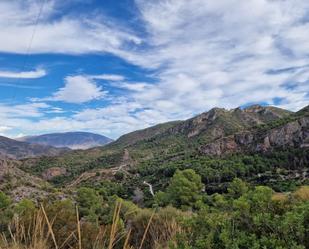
116,66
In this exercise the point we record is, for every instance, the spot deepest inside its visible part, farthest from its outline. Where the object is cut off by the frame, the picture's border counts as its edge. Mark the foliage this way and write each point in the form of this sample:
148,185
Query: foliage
90,203
184,190
253,220
216,172
244,217
4,201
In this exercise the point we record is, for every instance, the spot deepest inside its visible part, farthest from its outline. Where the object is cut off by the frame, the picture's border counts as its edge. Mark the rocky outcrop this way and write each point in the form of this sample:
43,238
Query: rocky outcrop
19,184
53,172
213,124
220,122
293,134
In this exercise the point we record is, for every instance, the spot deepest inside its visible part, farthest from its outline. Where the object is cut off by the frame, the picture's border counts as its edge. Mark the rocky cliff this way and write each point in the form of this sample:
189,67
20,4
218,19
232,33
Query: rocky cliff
292,134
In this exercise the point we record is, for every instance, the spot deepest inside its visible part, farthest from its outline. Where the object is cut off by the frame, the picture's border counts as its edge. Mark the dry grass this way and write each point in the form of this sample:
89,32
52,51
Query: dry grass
280,197
302,193
38,233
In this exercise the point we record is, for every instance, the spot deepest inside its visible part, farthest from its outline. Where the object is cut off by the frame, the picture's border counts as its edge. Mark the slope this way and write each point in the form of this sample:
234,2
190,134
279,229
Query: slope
13,149
72,140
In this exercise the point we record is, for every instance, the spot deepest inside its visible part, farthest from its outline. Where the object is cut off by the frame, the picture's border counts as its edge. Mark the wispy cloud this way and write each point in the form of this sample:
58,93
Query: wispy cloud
220,52
108,77
27,110
201,54
38,73
54,34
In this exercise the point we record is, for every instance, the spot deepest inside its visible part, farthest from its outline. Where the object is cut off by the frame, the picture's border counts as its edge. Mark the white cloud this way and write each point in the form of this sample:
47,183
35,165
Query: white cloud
136,86
4,129
27,110
67,34
201,53
78,89
219,53
109,77
38,73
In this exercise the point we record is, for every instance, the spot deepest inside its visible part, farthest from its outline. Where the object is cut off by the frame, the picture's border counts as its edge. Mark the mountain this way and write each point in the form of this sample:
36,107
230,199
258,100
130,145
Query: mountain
10,148
292,131
172,138
150,151
145,134
72,140
216,123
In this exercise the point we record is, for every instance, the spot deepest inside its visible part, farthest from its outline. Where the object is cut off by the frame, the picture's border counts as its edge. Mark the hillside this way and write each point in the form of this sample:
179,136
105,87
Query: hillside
289,132
156,149
13,149
207,126
186,136
222,166
72,140
145,134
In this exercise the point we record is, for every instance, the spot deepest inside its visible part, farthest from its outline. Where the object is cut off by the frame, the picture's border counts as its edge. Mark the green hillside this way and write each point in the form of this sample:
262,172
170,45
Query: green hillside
223,179
167,147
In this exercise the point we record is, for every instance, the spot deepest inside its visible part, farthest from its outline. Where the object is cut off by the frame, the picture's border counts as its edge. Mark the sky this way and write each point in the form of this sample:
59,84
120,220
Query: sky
112,67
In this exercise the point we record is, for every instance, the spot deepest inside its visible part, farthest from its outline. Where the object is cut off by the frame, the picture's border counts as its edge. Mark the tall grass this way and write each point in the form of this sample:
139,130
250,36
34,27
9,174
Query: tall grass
38,232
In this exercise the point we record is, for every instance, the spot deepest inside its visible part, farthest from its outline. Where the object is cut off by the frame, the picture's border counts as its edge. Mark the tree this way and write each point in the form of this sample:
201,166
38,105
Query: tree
185,189
237,188
5,211
25,209
5,201
90,203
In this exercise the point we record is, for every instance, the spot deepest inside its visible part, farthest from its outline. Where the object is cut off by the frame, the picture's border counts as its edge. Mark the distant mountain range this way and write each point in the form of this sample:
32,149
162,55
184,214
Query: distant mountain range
72,140
13,149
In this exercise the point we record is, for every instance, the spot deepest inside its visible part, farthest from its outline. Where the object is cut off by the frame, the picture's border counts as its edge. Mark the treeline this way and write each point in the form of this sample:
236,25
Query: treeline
217,172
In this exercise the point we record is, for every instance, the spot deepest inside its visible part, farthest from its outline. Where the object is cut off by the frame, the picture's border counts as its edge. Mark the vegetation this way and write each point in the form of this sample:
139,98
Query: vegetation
272,169
184,190
244,217
104,198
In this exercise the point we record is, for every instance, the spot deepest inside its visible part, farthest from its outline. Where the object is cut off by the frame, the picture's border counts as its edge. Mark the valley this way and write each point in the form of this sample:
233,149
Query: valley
214,166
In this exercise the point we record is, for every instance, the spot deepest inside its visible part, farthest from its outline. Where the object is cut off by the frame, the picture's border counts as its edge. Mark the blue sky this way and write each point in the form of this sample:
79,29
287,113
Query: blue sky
112,67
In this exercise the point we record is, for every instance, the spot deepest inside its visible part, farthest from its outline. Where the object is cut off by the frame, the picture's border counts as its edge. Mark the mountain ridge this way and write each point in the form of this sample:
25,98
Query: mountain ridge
167,141
13,149
72,140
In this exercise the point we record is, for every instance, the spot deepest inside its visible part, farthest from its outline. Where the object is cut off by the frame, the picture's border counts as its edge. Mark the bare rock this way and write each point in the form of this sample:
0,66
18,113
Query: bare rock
293,134
53,172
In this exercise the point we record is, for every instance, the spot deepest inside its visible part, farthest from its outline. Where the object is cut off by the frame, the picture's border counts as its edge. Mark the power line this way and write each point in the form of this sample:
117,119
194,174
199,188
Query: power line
27,54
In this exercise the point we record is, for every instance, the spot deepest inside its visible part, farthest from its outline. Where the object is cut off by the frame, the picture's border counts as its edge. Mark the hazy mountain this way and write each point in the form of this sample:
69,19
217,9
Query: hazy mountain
10,148
72,140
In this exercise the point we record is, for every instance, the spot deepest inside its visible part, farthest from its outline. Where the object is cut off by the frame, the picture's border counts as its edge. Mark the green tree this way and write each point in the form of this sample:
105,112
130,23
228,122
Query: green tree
25,208
185,189
237,188
5,201
5,211
89,202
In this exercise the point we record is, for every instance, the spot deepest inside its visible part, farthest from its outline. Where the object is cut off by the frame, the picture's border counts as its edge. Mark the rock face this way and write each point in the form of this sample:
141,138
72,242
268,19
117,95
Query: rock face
53,172
219,122
214,124
18,183
293,134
